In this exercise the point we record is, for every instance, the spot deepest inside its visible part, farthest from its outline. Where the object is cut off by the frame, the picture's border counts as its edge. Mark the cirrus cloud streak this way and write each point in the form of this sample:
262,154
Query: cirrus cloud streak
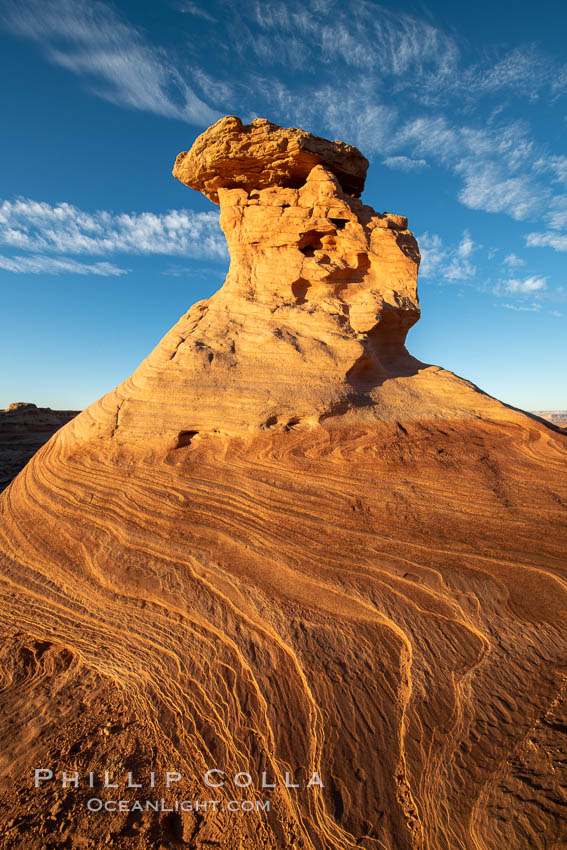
62,228
58,265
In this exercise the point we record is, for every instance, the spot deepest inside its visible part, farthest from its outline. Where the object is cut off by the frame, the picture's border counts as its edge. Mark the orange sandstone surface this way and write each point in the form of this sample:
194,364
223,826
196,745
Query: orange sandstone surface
284,547
258,155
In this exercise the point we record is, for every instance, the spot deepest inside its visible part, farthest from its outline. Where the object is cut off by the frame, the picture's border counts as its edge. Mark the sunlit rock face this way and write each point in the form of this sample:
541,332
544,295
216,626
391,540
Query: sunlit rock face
315,244
310,321
253,156
325,253
284,547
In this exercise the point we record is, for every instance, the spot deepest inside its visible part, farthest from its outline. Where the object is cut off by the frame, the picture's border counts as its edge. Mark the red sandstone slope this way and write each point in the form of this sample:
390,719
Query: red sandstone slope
286,546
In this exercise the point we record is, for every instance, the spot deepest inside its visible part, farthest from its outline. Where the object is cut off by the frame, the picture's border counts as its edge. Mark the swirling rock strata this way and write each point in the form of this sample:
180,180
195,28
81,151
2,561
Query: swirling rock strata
284,545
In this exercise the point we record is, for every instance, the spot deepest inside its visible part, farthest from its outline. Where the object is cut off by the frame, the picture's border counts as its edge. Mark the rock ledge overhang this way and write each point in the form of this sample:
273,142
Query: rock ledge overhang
233,155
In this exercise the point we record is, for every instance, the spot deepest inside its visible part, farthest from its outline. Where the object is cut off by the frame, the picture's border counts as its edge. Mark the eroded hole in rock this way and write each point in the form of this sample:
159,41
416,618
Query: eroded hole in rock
299,289
293,182
310,242
295,420
184,438
339,222
355,274
271,421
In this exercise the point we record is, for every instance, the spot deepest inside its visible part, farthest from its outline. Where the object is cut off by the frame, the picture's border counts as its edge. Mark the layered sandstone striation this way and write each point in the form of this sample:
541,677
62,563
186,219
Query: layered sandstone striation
285,545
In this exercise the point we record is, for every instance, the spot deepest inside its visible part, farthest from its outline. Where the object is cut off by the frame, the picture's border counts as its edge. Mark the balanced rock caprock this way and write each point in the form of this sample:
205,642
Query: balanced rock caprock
253,156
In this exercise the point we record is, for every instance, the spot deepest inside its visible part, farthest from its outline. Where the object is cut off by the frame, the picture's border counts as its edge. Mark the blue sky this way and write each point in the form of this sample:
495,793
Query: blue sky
461,109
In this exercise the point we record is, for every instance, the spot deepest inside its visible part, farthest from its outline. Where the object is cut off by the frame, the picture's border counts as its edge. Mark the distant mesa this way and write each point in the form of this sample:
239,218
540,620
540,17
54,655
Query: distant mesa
234,155
21,405
30,413
24,428
558,417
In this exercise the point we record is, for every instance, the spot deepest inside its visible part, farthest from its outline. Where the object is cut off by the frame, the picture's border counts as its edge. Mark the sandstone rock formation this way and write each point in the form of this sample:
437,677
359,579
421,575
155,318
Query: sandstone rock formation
284,545
230,155
24,427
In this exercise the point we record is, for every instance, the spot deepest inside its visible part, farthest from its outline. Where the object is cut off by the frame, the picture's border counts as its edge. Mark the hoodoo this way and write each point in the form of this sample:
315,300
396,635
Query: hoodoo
285,545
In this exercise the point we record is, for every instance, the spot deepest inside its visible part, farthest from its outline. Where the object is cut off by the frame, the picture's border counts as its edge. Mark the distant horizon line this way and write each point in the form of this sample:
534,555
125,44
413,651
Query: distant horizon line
33,405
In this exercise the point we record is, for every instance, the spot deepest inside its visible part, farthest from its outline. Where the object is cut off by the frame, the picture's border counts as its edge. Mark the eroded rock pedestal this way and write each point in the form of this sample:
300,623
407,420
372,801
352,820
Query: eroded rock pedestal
286,545
313,314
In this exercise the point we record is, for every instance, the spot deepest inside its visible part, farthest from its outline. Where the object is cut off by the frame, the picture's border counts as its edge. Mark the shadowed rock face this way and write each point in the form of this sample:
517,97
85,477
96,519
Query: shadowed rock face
286,545
24,427
255,156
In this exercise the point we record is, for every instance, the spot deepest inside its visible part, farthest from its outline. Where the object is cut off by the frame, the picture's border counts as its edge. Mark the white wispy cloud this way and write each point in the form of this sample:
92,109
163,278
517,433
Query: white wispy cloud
363,35
433,254
431,135
557,165
556,216
487,187
57,265
466,246
405,163
31,225
370,122
446,264
557,241
559,83
423,60
88,38
494,162
196,11
523,308
528,285
524,70
219,91
512,260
